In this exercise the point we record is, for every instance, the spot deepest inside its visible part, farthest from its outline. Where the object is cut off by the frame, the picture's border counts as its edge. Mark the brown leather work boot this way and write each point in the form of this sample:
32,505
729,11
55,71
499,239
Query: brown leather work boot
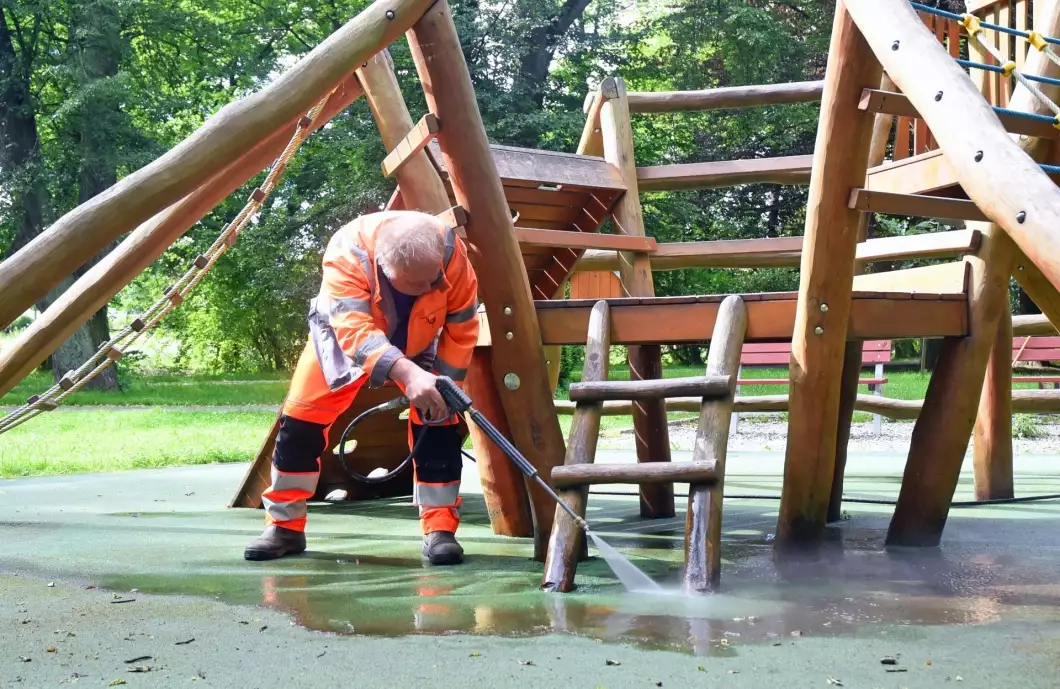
275,542
441,548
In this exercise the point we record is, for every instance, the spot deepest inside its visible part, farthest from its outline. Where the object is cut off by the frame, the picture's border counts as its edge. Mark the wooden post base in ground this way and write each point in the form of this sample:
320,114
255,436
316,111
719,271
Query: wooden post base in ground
992,439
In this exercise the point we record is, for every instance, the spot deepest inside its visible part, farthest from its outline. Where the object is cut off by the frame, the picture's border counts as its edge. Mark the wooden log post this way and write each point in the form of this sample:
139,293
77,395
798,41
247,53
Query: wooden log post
236,129
99,284
1007,185
567,543
992,438
518,362
421,188
854,351
711,386
841,155
571,475
703,518
645,361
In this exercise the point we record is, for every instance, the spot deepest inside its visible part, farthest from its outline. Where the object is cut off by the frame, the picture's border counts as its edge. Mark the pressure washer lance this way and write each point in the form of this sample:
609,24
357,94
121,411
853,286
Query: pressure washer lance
459,402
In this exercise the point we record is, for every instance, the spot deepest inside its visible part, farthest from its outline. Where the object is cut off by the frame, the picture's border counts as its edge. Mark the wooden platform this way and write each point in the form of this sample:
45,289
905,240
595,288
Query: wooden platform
547,190
770,316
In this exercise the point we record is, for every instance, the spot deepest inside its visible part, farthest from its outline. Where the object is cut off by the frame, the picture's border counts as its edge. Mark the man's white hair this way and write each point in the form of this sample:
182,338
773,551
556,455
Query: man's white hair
407,240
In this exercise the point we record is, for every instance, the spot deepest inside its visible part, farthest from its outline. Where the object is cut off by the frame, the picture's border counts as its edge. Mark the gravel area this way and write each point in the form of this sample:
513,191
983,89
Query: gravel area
770,435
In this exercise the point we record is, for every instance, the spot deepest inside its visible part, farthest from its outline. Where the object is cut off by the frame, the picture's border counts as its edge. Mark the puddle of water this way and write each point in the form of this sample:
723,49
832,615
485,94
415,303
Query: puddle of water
848,587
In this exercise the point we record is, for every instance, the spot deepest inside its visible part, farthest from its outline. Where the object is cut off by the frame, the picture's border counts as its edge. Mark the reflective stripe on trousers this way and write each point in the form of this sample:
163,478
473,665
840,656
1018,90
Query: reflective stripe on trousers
285,499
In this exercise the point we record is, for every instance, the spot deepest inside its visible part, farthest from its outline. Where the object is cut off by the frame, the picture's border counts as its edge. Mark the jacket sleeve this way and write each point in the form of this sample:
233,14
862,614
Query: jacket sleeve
349,293
460,333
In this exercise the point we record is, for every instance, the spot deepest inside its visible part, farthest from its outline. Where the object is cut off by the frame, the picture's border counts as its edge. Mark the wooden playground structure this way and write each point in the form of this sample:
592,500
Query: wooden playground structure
903,130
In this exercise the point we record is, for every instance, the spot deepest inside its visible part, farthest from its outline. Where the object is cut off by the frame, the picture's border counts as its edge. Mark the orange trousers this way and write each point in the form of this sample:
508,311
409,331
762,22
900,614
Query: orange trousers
308,413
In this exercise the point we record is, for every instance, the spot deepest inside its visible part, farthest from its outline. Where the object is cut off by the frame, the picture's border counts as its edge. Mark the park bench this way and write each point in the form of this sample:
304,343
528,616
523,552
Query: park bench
875,352
1036,349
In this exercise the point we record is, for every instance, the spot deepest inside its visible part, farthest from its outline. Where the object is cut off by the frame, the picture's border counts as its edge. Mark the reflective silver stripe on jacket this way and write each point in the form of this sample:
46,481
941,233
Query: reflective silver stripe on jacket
292,509
369,347
450,246
433,495
338,369
446,369
463,315
349,305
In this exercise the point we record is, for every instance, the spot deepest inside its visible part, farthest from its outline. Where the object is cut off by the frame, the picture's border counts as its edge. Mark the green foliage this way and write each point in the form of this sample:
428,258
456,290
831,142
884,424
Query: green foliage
19,324
1027,426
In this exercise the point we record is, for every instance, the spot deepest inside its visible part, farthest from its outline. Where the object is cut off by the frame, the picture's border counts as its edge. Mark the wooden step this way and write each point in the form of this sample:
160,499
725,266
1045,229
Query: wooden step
584,240
945,278
890,103
605,390
574,475
914,205
952,244
415,141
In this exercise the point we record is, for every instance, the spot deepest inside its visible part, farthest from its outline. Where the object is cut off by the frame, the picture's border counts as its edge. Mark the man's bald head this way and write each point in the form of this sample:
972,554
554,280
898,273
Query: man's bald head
410,249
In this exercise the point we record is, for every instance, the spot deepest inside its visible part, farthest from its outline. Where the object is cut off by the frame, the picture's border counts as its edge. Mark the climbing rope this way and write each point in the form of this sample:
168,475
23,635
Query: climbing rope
173,296
975,28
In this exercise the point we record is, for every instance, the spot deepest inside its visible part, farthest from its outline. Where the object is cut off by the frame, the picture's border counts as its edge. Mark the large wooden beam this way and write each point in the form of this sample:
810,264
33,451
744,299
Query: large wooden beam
645,362
914,205
924,173
518,362
74,307
584,240
992,439
770,318
898,410
703,516
726,97
1006,184
783,252
840,161
729,173
235,130
1035,324
602,391
942,278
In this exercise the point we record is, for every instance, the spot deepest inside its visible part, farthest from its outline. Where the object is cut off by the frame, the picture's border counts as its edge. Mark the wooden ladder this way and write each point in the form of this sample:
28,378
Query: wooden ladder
705,474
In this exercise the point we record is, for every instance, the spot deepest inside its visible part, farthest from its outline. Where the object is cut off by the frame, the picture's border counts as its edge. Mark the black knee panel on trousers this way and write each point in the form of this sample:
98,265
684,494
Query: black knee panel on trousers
438,457
299,445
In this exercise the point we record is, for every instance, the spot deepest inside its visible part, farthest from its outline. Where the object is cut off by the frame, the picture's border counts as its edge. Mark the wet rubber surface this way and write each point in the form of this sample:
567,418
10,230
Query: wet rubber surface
165,532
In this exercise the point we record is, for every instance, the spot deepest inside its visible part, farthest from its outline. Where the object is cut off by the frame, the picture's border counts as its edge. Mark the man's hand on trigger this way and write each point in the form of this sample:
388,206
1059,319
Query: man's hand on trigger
421,389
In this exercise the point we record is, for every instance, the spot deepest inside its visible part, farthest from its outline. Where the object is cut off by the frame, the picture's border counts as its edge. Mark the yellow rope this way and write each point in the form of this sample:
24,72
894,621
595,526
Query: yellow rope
121,343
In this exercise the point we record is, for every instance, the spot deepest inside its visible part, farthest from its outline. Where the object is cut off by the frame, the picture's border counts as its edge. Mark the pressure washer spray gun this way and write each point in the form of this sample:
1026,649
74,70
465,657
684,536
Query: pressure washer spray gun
459,403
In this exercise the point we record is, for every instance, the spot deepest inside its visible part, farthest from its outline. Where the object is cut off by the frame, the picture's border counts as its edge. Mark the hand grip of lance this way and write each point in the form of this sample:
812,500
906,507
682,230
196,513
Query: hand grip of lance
458,402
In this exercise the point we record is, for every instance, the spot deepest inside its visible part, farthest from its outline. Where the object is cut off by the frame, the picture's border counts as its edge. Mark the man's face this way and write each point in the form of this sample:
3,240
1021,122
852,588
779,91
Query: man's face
417,279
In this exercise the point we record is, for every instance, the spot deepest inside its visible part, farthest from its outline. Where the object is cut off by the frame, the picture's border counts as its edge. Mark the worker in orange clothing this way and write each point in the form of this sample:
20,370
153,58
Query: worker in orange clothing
397,302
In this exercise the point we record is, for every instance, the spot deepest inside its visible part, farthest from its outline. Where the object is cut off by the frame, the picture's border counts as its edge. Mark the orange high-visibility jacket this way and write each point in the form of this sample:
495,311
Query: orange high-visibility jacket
351,320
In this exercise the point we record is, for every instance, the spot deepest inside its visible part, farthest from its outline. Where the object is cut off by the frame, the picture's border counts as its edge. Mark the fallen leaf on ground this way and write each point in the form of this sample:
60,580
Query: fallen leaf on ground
116,682
734,672
24,659
526,662
184,643
141,668
137,659
321,655
51,649
51,584
263,628
835,681
958,678
658,682
888,660
124,600
927,662
896,669
474,654
701,668
611,662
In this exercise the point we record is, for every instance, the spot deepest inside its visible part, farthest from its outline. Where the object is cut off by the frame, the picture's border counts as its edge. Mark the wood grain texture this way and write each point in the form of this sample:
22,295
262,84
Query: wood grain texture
142,247
649,417
942,278
476,184
704,514
584,240
503,486
899,410
840,162
235,130
729,173
916,206
569,476
924,173
992,437
421,134
602,391
1037,324
567,542
1005,182
726,97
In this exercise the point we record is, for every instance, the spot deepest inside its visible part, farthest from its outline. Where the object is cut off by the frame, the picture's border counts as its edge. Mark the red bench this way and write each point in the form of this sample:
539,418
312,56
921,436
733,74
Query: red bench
1039,349
876,352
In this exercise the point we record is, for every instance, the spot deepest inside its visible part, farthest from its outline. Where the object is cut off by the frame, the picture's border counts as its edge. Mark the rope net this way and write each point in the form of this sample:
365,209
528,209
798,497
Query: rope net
118,345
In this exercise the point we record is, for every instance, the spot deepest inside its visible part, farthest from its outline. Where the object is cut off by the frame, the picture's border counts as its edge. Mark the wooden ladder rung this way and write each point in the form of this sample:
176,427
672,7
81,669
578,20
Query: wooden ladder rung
414,142
561,239
708,387
914,205
696,473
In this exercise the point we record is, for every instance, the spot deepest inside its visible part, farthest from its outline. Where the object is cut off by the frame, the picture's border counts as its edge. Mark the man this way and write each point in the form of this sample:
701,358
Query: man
397,302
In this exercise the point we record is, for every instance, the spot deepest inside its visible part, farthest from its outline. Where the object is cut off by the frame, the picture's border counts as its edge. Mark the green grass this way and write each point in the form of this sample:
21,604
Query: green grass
167,390
69,442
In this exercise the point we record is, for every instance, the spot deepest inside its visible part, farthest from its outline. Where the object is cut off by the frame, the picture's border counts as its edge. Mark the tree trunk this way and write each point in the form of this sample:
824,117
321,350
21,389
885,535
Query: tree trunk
542,44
